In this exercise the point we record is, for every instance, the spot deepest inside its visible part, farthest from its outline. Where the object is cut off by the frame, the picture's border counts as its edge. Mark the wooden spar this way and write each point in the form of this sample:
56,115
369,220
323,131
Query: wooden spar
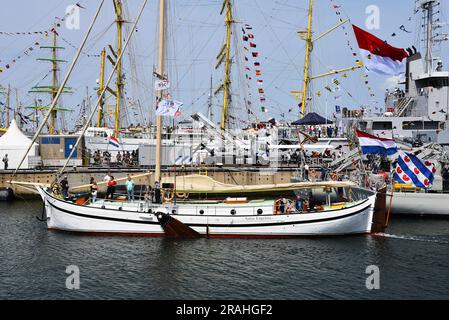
227,78
306,80
118,180
391,201
54,83
100,120
160,71
25,183
32,190
119,84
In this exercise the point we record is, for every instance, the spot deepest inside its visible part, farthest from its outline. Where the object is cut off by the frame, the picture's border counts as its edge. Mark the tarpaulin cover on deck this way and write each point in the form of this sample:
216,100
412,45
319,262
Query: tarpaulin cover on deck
311,119
204,184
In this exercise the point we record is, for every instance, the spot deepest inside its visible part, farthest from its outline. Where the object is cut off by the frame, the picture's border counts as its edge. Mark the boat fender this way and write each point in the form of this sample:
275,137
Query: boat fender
6,194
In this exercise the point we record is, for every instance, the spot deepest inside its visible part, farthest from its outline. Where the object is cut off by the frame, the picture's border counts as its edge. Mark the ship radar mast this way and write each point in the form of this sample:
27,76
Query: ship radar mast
431,23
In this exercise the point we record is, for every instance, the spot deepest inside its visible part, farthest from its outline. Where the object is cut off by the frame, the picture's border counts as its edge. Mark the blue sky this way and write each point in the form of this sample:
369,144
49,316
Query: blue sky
196,33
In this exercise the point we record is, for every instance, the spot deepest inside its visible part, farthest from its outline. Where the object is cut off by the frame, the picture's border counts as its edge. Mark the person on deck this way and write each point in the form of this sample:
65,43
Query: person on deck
306,172
157,193
149,194
312,202
130,188
65,187
111,188
94,190
298,203
107,177
445,176
5,161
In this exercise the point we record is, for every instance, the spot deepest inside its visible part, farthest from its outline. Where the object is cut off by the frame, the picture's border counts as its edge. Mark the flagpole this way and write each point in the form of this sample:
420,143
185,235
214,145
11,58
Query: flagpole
391,201
361,160
157,170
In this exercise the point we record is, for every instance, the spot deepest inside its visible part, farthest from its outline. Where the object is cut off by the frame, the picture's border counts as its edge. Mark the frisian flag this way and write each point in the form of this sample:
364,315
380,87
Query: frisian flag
378,56
114,142
414,171
374,145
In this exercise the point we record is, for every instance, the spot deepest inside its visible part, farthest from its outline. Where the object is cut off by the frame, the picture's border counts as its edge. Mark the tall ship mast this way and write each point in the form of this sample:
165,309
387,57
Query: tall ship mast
54,87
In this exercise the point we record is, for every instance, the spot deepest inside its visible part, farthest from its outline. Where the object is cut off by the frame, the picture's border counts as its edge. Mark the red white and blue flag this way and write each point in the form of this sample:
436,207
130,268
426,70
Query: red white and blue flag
414,171
114,142
378,56
374,145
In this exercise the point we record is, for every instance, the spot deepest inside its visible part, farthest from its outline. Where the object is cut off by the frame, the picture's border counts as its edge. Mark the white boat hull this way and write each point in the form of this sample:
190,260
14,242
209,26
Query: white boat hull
216,221
411,203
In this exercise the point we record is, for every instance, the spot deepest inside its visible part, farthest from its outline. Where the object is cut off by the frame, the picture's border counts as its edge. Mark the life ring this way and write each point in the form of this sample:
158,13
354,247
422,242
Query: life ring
168,195
182,195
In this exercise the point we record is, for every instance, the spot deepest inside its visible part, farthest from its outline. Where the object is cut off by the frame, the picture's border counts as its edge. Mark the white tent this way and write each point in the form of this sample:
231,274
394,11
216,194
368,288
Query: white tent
14,143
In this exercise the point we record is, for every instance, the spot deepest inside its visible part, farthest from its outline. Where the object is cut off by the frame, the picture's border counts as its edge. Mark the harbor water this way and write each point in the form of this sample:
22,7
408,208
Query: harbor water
412,258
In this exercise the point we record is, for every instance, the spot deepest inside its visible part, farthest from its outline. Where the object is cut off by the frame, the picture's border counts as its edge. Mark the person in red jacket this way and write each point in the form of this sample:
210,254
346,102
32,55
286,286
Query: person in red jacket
111,188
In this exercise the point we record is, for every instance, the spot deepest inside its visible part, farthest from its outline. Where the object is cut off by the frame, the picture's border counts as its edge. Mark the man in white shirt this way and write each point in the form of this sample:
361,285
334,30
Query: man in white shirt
107,177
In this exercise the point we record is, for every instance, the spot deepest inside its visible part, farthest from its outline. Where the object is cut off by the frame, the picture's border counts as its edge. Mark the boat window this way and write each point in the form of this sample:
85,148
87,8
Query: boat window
50,140
382,125
420,125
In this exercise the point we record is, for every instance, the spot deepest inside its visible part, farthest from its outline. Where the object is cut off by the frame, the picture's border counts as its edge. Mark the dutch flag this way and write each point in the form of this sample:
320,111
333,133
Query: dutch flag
414,171
114,142
375,145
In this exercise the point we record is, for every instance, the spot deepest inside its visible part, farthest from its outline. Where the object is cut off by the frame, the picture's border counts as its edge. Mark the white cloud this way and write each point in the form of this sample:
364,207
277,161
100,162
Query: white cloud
392,82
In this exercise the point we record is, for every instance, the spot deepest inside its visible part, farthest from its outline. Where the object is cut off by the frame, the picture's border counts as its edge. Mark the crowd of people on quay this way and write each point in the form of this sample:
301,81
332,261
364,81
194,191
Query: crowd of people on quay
122,158
323,131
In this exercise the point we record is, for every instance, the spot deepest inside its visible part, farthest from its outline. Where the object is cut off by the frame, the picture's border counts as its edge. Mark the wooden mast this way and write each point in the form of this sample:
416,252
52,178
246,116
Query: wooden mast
160,72
309,47
100,119
227,78
119,84
54,83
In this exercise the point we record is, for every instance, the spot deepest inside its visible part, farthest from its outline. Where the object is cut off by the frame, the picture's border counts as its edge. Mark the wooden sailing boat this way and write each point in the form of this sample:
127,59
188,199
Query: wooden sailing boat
204,207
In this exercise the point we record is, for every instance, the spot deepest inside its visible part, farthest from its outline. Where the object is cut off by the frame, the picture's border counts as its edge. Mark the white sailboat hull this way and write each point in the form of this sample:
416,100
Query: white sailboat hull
216,221
411,203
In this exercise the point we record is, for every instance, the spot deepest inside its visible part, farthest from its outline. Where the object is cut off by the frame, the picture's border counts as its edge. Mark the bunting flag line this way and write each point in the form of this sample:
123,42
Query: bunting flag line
44,33
337,10
258,72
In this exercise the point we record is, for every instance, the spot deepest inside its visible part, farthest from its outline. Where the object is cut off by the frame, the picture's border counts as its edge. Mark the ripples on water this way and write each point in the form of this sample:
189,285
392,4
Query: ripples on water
412,257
